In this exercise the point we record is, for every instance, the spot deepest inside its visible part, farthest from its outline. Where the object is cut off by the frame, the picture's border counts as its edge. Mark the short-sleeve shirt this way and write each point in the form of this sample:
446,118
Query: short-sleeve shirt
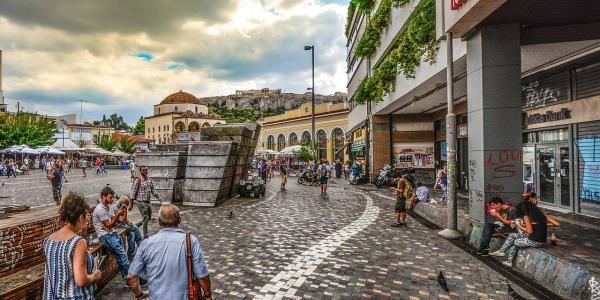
57,180
422,193
102,213
401,186
283,169
163,258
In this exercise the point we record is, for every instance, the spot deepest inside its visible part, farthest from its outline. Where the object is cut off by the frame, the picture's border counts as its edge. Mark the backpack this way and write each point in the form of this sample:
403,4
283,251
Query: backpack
408,189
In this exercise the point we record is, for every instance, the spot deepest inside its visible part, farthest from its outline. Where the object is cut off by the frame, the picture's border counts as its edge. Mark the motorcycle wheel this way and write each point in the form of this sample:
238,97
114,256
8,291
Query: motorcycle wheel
263,191
301,180
251,194
379,183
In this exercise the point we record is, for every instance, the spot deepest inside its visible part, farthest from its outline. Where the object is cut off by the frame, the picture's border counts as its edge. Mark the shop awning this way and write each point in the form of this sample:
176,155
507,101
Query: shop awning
344,147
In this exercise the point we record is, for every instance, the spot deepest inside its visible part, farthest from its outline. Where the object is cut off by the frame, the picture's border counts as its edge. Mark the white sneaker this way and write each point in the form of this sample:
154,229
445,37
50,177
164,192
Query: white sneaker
498,253
433,201
507,263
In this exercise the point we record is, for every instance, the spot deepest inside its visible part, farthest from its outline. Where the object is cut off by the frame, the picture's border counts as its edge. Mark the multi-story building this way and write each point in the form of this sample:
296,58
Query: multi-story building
86,134
295,126
178,112
526,95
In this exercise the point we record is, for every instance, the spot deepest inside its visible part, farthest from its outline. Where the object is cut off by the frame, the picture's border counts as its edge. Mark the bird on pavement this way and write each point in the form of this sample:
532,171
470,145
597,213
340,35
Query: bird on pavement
513,294
230,215
442,281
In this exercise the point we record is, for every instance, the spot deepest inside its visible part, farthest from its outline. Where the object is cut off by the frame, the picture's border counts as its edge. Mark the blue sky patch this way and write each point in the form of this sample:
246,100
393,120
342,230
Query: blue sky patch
145,56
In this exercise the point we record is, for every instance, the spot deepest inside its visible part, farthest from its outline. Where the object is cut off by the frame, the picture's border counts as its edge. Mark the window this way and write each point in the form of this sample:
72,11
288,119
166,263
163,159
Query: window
321,144
306,137
158,110
280,142
158,128
196,108
293,139
270,142
152,129
338,142
176,108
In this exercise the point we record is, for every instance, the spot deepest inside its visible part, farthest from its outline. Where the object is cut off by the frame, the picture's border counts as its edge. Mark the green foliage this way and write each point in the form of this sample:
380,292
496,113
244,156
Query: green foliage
240,115
417,42
371,40
126,145
306,152
107,143
139,127
115,121
26,129
351,8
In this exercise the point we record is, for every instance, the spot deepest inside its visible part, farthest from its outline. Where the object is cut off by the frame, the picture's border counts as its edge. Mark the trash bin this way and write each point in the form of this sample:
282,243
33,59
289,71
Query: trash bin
126,165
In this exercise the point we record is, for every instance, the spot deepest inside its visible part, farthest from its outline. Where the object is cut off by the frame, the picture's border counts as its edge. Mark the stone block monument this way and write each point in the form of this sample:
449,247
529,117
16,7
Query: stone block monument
204,168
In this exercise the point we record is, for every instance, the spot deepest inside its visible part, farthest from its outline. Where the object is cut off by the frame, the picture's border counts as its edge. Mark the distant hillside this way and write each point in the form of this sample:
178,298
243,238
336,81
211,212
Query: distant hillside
269,101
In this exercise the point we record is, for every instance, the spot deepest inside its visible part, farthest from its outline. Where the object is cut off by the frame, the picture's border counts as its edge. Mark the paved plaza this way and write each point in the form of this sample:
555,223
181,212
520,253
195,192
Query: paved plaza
36,191
296,244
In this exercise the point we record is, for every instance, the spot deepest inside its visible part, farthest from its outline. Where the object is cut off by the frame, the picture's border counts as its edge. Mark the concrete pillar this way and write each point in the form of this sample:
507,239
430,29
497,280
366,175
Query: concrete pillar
330,149
494,101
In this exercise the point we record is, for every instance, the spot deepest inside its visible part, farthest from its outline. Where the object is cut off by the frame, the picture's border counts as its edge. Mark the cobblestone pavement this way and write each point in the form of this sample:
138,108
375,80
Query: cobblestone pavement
35,190
296,244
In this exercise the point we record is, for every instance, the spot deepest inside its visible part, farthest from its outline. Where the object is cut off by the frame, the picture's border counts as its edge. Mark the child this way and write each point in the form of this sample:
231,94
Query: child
422,192
134,237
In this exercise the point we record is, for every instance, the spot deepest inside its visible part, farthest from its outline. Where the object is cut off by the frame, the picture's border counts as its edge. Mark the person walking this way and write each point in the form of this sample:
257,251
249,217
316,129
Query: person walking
132,169
323,174
83,164
69,267
283,171
105,220
442,182
10,169
141,191
164,258
263,170
404,191
65,169
338,169
55,178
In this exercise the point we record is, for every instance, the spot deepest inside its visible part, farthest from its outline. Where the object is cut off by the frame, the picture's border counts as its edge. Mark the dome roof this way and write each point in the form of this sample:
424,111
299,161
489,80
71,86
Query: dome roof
181,97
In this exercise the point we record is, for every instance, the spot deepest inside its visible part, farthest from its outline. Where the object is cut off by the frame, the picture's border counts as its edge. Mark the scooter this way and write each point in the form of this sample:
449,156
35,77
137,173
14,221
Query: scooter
304,178
385,177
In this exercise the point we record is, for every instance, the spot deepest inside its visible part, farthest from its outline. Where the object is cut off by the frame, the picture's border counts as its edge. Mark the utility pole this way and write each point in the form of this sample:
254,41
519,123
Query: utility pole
451,231
313,137
18,107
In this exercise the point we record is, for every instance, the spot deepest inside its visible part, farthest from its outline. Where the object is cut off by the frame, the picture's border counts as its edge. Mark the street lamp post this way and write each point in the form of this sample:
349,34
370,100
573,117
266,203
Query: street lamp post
312,48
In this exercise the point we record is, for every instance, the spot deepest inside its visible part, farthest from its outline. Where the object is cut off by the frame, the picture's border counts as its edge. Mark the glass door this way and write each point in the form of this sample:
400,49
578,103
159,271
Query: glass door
546,174
553,175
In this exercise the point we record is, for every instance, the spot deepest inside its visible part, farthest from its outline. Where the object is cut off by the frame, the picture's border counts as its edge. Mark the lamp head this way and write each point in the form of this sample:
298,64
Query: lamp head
308,47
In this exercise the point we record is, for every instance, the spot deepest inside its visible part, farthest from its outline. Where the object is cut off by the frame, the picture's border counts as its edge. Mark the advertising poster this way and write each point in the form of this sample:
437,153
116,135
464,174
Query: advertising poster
413,155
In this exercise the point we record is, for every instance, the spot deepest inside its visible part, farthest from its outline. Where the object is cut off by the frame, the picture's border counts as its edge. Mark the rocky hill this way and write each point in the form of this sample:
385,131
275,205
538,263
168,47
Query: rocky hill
269,99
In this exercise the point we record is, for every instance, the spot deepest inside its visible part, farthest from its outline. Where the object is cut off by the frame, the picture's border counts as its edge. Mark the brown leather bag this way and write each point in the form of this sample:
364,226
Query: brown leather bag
194,289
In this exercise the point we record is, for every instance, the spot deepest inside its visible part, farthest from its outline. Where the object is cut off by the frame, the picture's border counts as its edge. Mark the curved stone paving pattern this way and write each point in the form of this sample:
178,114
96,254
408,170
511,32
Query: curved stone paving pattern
256,253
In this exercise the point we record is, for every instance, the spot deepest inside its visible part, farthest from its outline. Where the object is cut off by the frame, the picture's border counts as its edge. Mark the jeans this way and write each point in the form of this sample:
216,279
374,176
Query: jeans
444,192
113,242
516,241
486,235
134,237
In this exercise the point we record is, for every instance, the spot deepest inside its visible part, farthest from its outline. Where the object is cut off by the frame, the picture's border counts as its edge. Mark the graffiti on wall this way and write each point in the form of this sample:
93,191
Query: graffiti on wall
589,154
536,95
415,155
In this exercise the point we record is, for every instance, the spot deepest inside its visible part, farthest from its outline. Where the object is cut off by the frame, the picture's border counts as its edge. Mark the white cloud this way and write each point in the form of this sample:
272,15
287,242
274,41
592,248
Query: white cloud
259,44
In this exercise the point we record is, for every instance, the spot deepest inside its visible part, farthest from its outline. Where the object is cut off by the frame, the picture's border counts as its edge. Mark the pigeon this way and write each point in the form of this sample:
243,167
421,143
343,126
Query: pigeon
442,281
230,215
513,294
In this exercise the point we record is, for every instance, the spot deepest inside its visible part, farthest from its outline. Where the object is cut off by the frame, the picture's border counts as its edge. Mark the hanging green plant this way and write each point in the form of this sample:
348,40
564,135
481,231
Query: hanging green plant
350,16
417,42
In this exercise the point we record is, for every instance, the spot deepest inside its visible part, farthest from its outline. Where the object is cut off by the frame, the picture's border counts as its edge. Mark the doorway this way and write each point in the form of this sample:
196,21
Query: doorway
554,174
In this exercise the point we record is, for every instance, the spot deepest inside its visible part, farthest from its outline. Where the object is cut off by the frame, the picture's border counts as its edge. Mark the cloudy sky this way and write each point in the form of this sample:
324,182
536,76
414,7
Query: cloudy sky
125,56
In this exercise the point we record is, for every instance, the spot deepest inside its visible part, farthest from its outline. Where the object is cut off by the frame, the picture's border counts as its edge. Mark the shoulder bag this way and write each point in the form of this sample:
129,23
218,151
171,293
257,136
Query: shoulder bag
194,288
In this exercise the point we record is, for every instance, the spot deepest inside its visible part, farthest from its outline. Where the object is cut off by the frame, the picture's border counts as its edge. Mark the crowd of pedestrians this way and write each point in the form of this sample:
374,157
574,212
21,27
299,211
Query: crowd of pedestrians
170,263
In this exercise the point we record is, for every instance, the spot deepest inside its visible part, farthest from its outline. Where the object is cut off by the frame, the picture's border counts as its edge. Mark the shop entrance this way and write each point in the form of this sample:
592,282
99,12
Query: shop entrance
553,177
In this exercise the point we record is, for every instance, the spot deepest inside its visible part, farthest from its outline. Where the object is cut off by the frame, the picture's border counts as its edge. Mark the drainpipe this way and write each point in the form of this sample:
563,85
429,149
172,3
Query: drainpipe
451,231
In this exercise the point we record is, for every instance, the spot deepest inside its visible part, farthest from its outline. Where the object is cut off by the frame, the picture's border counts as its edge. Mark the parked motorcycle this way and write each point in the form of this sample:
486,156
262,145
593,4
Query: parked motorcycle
304,178
253,186
385,177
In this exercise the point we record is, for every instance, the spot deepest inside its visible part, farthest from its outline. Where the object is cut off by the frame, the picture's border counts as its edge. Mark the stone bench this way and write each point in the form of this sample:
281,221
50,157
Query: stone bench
22,257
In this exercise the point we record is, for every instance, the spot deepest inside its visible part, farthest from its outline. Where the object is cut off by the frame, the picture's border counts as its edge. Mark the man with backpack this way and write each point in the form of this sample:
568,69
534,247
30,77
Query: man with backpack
404,192
323,173
141,191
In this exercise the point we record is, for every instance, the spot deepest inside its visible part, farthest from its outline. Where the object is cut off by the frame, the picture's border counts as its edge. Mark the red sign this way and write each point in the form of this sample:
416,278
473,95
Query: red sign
456,4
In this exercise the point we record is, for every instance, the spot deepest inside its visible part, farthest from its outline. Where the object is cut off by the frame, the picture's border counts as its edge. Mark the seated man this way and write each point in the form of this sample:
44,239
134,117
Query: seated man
134,237
502,213
105,220
422,192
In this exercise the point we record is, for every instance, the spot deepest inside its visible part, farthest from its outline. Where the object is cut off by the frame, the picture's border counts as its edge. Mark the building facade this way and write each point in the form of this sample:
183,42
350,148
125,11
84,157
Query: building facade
526,92
178,112
295,126
87,134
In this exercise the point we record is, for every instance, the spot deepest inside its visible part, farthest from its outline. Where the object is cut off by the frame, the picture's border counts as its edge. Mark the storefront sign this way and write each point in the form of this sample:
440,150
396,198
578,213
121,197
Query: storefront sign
456,4
548,117
360,134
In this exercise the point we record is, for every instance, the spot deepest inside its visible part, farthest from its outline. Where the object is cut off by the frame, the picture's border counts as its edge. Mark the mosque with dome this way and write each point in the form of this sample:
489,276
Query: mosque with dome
178,112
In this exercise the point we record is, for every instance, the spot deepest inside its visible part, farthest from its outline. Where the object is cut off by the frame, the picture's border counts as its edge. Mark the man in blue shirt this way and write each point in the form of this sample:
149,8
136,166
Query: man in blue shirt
56,178
163,258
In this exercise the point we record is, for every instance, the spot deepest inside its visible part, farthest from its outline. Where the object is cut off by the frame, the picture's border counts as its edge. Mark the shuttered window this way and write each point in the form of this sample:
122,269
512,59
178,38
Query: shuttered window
588,146
588,81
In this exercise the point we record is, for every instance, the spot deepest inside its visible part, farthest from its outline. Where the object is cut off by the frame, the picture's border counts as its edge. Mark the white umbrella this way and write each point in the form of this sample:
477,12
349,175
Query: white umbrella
49,150
19,149
289,151
65,145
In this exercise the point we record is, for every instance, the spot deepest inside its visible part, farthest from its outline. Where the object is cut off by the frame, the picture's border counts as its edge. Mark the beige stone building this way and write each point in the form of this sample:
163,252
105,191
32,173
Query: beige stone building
178,112
294,126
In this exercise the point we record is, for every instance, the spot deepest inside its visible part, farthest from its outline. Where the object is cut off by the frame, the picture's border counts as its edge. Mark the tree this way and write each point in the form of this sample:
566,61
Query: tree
115,121
26,129
305,153
107,143
140,128
127,145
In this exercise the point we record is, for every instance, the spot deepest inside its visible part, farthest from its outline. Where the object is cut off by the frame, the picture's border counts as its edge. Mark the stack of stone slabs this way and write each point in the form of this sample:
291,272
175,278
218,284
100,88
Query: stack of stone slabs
166,167
245,139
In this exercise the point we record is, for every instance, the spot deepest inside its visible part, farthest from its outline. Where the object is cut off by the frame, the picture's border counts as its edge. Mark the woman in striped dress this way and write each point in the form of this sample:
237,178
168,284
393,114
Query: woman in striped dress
68,272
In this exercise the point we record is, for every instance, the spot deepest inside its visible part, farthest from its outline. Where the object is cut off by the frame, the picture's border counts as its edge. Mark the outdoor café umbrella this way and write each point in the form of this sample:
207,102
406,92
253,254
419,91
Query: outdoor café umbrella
289,151
49,150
